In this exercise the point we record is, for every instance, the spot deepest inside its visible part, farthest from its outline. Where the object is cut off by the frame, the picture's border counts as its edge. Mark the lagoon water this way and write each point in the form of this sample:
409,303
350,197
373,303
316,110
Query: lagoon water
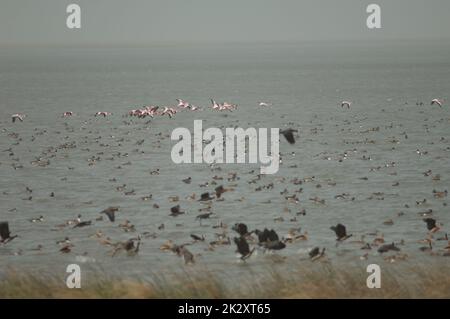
305,83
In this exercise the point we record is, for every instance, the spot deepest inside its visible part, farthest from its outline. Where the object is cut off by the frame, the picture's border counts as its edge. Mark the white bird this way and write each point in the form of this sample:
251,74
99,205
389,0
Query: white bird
104,114
67,114
17,116
437,101
346,103
215,106
183,104
264,104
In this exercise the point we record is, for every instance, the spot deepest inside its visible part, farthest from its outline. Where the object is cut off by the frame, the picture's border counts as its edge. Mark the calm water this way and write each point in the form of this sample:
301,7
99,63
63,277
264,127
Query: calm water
305,83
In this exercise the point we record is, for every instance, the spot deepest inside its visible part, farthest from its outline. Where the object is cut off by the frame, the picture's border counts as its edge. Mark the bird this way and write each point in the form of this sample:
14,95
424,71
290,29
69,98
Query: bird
288,134
104,114
197,238
341,232
220,190
128,246
241,229
269,239
110,212
205,197
431,224
82,224
187,180
388,247
203,216
437,101
66,248
264,104
5,235
187,255
36,220
315,253
175,211
346,103
17,116
242,247
182,103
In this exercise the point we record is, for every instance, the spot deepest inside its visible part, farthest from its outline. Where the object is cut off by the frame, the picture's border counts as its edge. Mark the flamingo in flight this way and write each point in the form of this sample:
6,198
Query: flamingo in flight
104,114
17,116
346,103
67,114
183,104
437,101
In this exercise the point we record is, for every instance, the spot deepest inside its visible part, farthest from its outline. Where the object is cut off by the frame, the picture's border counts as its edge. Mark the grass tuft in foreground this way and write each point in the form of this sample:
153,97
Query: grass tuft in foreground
324,281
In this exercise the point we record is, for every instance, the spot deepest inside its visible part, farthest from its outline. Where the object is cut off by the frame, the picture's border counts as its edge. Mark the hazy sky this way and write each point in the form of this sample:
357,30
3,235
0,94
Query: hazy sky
203,21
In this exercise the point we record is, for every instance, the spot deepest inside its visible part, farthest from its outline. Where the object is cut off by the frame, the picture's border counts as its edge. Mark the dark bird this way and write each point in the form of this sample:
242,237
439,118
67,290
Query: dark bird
66,248
197,238
315,253
110,212
128,246
219,191
187,180
431,223
205,197
243,248
340,231
187,255
240,228
269,239
203,216
83,224
5,235
175,211
388,247
266,235
289,135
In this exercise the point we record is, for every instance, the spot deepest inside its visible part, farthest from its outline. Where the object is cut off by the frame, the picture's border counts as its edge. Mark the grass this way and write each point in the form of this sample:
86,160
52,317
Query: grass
323,281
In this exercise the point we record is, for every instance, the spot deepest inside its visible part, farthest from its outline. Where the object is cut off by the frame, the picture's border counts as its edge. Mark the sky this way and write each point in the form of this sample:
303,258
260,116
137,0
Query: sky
147,22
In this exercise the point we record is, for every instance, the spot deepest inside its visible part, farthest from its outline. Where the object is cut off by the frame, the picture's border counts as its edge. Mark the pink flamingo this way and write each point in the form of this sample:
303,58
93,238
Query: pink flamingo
67,114
104,114
17,116
346,103
183,104
437,101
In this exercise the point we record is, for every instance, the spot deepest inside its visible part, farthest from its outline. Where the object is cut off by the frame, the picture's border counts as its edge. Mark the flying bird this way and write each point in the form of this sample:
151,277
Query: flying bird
110,212
437,101
340,231
243,248
5,235
388,247
269,239
346,103
205,197
288,134
431,224
175,211
240,228
315,253
17,116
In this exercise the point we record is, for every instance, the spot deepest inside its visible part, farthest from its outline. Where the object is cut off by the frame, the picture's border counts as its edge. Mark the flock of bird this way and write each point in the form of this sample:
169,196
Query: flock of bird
245,239
152,111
